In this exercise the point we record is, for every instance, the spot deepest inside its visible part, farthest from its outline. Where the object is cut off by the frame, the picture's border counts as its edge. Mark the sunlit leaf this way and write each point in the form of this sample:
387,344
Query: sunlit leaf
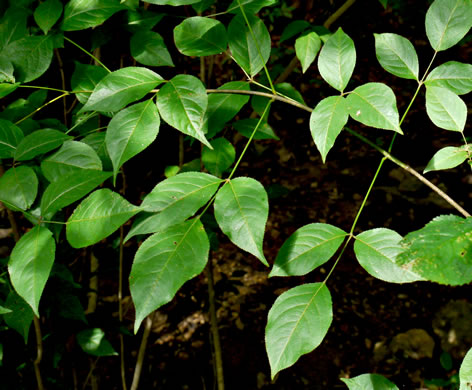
241,210
30,264
297,323
369,382
163,263
377,251
455,76
82,14
446,158
306,48
445,109
465,372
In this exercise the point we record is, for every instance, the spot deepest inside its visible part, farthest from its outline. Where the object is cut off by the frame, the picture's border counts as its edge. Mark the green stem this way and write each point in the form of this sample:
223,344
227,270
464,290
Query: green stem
88,53
40,108
47,88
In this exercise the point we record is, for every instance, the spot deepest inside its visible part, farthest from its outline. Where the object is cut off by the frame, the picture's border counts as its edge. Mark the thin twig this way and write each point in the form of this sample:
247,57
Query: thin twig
142,350
39,352
218,364
63,81
120,293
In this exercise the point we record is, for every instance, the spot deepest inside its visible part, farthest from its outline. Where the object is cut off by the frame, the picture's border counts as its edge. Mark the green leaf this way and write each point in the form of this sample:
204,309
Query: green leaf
377,251
326,122
447,22
73,156
6,89
220,158
202,6
18,188
13,25
70,188
222,107
289,91
441,251
452,75
82,14
98,143
397,55
39,142
47,14
465,372
10,137
250,6
250,53
448,157
199,36
130,132
247,126
31,56
374,104
142,20
173,2
306,249
337,60
241,210
163,263
6,70
182,103
86,78
30,264
297,323
98,216
4,310
93,342
21,315
369,382
149,48
119,88
306,48
294,28
445,109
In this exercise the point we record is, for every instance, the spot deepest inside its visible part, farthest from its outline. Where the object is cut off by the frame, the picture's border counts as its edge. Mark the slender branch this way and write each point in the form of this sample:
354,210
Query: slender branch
338,13
214,328
88,53
39,352
120,293
142,350
63,81
40,108
410,170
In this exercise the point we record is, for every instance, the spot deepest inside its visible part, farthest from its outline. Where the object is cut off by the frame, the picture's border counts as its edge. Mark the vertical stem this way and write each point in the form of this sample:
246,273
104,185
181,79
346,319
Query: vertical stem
218,363
39,352
120,293
63,81
142,350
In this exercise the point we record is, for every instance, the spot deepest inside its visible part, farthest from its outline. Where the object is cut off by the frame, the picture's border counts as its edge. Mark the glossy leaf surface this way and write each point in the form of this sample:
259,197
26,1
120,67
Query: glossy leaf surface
447,22
47,14
93,342
182,103
441,251
73,156
250,52
337,60
220,158
309,247
149,48
241,210
397,55
448,157
306,48
369,382
18,187
39,142
70,188
377,251
82,14
98,216
175,199
120,88
199,36
327,121
30,264
163,263
445,109
453,75
131,131
374,104
297,323
10,137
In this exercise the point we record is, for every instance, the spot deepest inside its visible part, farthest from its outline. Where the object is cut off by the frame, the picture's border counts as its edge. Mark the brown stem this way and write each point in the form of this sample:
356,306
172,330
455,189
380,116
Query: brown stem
214,328
93,285
142,350
39,352
63,80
